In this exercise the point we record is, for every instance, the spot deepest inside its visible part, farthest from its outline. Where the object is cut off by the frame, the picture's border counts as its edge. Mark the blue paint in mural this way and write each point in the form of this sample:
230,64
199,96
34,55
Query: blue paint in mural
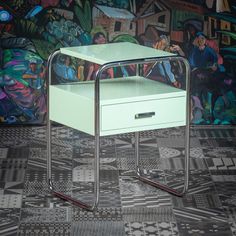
40,29
63,70
67,32
33,12
17,92
5,15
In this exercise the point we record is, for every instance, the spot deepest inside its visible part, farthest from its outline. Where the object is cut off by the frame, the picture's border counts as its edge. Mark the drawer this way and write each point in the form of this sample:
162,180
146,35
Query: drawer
144,115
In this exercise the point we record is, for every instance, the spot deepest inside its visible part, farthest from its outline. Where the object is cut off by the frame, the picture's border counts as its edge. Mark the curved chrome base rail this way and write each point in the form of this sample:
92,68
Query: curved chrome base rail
70,199
61,195
160,186
157,184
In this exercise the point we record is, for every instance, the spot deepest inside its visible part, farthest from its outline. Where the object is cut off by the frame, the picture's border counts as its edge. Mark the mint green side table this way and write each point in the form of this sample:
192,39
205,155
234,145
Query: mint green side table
118,105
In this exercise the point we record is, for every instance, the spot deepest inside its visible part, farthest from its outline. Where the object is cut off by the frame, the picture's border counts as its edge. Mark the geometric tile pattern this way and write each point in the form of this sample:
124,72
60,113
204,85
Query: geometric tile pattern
209,228
3,153
146,214
9,221
108,214
11,187
200,214
209,200
227,193
94,228
127,206
12,170
54,228
10,201
151,228
145,201
62,214
223,163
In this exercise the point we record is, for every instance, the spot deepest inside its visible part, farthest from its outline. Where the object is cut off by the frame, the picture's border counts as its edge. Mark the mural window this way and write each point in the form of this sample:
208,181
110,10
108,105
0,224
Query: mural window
225,39
131,26
161,19
212,27
117,26
224,25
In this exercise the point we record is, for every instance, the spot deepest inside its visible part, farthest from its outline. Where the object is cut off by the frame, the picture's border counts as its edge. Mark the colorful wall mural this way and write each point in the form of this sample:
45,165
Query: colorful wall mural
203,31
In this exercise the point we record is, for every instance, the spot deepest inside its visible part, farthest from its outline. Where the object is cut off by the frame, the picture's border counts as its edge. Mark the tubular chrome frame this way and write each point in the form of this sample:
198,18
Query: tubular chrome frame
97,132
49,150
187,144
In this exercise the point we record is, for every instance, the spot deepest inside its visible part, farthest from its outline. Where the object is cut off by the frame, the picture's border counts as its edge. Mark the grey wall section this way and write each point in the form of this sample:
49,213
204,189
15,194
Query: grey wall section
31,30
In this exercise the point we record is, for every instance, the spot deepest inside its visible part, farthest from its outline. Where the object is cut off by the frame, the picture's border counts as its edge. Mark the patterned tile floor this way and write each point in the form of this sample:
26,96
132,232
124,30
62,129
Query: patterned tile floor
127,206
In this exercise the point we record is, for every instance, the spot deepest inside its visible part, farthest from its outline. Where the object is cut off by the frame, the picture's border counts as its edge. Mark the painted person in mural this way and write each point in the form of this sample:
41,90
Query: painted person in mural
208,78
8,110
205,70
34,75
29,103
202,56
22,98
164,69
91,68
64,70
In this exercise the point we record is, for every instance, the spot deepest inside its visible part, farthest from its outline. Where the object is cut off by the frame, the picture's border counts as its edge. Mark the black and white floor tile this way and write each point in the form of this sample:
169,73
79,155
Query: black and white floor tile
127,206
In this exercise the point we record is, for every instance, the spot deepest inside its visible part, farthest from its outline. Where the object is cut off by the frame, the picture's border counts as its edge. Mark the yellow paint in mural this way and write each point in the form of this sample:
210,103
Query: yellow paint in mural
225,25
222,6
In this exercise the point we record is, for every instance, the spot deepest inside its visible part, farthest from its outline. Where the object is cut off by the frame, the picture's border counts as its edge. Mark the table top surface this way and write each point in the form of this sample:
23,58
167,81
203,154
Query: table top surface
122,89
114,52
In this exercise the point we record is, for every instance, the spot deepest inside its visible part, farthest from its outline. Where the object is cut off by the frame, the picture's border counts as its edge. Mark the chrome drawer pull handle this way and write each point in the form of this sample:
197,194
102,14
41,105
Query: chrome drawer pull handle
144,115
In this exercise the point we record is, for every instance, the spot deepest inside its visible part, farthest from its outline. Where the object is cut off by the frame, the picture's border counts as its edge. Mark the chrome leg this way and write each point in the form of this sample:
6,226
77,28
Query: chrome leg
137,154
97,171
49,156
58,194
157,184
187,147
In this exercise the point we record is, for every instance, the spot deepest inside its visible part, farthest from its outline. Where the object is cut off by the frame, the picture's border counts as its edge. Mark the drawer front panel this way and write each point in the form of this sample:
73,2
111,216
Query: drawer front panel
143,113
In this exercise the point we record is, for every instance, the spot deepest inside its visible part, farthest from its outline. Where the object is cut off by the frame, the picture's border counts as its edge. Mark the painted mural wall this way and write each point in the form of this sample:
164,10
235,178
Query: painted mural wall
203,31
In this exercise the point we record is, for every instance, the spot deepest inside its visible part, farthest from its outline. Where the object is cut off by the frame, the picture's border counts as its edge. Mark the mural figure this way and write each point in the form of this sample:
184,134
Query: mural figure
165,69
98,38
208,79
63,70
202,56
203,61
33,75
8,110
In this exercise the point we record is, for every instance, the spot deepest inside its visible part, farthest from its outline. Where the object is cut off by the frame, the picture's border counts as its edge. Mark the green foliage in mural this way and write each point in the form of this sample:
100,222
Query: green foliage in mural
96,29
47,15
84,16
16,74
109,3
79,2
231,34
44,48
7,56
178,17
125,38
18,3
26,28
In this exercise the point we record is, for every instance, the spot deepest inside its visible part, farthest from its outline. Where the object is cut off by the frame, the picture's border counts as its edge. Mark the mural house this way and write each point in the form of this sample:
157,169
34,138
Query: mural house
155,14
115,21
